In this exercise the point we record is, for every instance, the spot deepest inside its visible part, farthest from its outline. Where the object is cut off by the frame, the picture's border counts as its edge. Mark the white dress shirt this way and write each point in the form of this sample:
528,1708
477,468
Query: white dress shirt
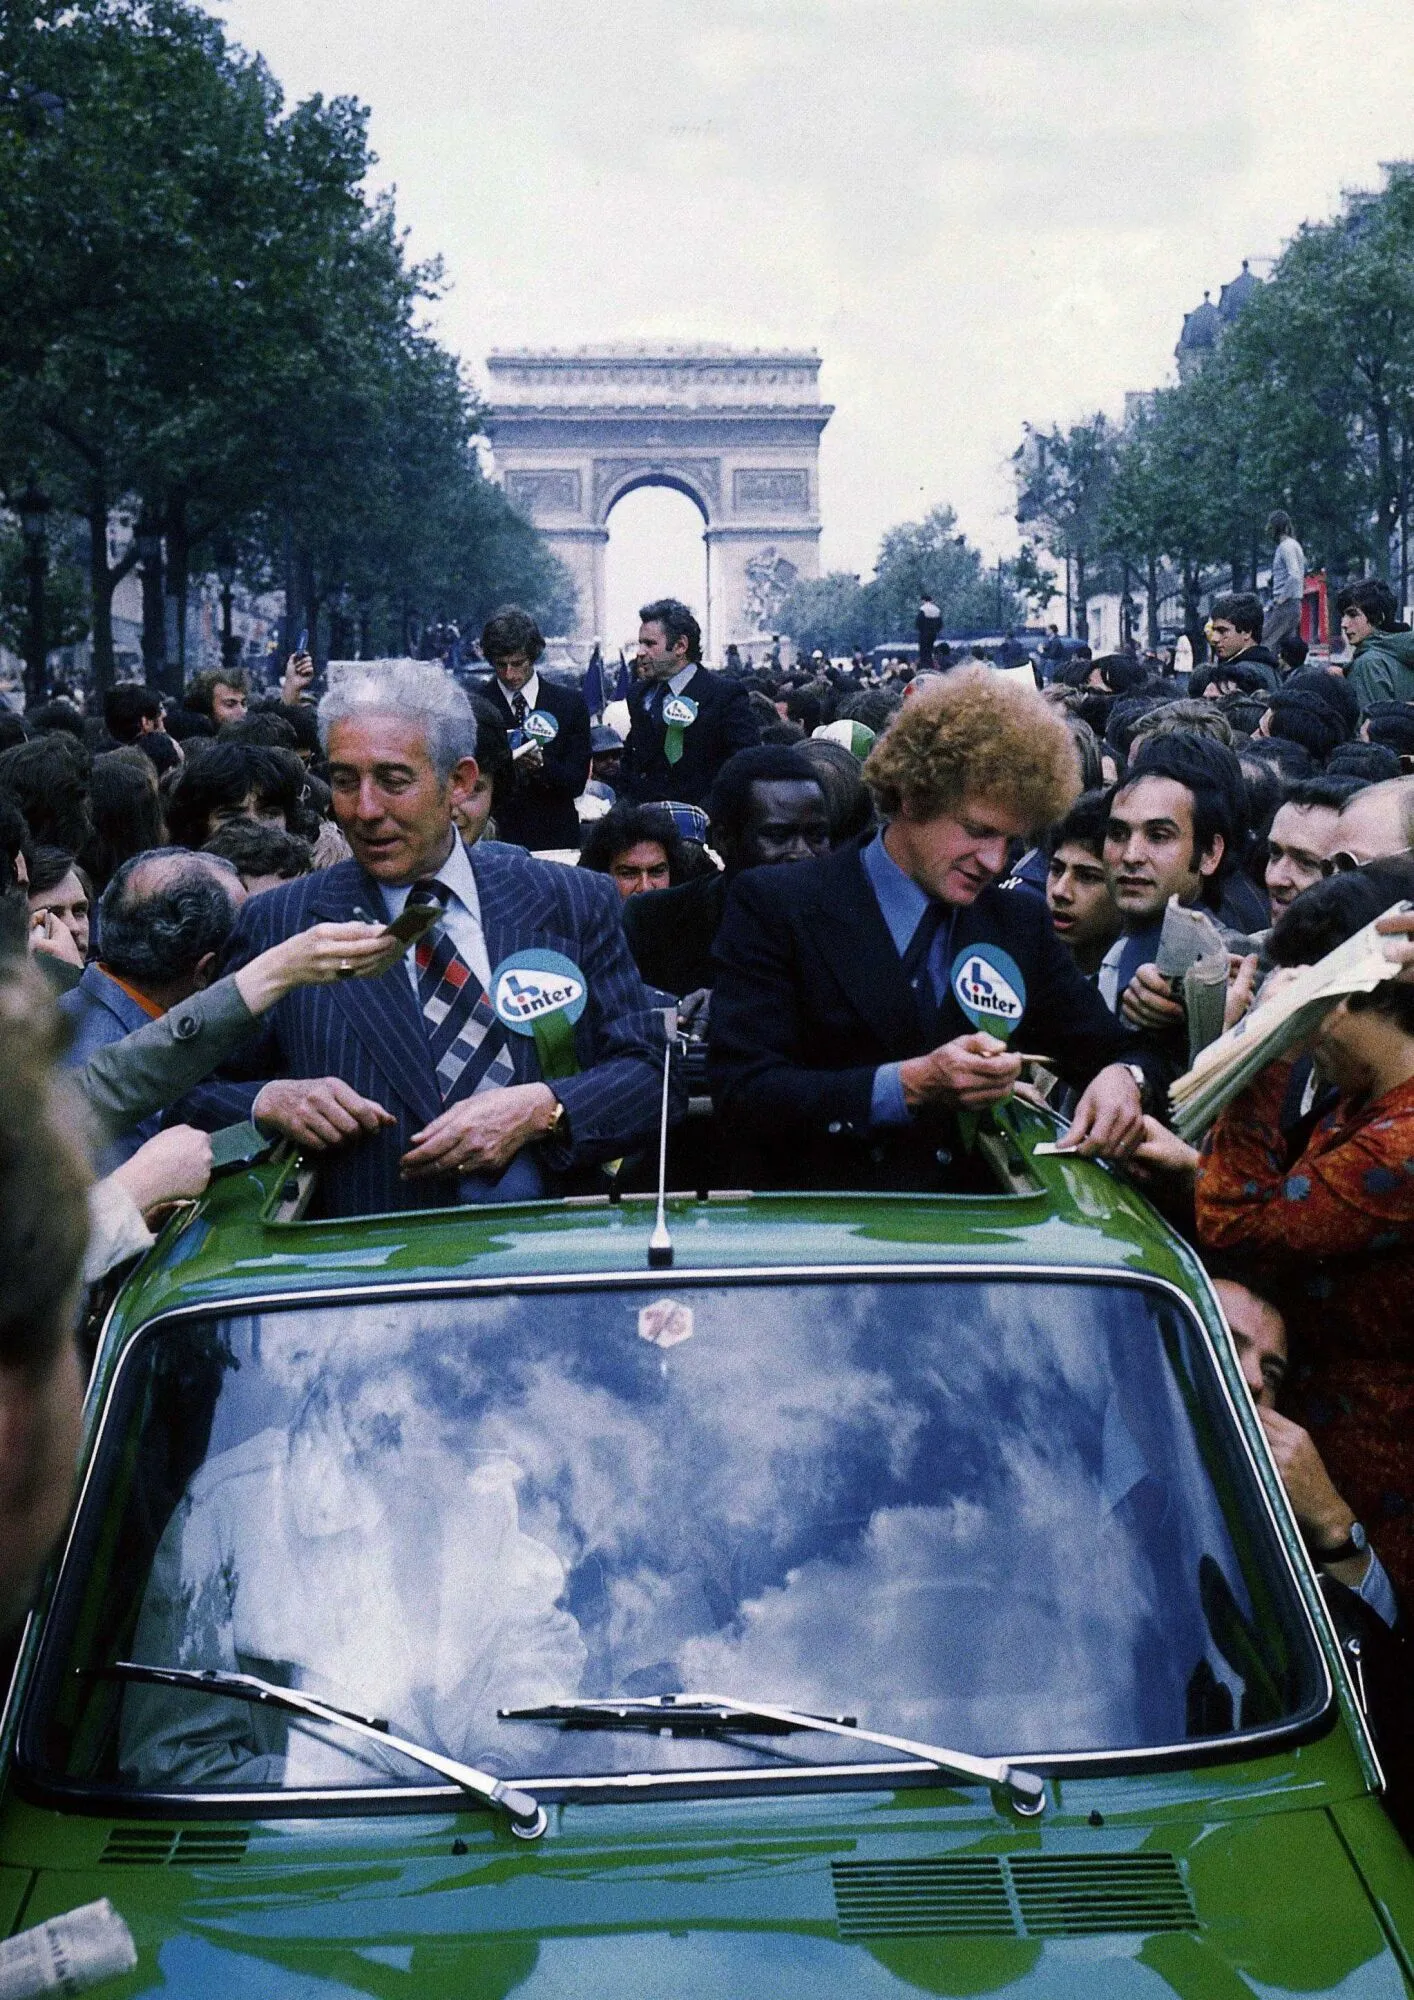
462,916
531,693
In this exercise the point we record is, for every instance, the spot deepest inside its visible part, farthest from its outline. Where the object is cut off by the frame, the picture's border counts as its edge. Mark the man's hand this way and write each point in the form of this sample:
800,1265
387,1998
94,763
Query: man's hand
1241,987
1109,1119
48,935
299,672
694,1013
1164,1150
967,1074
1148,1002
318,1112
317,957
1322,1515
481,1134
174,1165
1402,952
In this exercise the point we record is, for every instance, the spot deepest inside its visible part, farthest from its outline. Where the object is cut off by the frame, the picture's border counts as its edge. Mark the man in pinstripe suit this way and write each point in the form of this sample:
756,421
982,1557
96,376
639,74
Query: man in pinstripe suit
412,1085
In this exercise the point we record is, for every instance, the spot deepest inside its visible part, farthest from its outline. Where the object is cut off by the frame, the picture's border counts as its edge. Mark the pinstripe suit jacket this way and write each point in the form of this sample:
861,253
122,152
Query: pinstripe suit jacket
370,1032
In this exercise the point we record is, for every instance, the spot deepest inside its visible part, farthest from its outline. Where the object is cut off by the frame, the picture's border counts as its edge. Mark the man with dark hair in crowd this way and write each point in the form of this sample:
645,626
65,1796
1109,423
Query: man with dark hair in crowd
263,856
131,710
846,1014
1383,666
232,781
1283,619
1177,827
847,799
1084,915
766,808
549,727
48,780
1302,837
163,921
637,847
1390,723
1235,629
222,695
684,721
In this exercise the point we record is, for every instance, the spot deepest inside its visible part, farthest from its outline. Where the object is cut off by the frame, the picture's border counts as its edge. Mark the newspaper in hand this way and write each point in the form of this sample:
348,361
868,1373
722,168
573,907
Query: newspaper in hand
69,1954
1223,1070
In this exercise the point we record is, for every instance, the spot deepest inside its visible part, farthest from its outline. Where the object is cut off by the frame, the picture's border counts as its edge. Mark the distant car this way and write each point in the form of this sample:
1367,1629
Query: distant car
895,1595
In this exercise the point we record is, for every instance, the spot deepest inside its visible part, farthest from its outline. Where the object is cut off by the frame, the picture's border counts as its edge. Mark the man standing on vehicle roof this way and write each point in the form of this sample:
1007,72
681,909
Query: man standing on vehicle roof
515,1043
684,721
866,999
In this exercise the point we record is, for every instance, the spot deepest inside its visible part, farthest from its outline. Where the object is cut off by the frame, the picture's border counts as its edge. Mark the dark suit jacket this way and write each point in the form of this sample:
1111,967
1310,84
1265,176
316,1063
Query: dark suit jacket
811,997
670,933
723,726
540,811
370,1033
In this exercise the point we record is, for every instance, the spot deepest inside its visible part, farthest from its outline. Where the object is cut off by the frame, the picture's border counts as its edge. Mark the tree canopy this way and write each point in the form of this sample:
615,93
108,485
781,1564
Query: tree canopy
205,316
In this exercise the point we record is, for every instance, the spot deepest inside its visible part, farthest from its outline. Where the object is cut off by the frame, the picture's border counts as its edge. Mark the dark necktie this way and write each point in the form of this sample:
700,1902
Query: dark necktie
919,968
464,1038
520,708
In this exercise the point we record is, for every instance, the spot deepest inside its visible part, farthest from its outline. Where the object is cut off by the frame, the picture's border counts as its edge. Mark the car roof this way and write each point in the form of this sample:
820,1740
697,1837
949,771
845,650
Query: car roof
1055,1215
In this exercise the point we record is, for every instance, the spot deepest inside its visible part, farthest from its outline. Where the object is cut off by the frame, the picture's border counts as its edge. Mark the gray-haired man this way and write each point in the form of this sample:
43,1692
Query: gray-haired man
515,1042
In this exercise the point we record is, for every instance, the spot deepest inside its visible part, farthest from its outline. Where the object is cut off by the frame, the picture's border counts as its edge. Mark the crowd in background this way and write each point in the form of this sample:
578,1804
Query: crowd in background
161,904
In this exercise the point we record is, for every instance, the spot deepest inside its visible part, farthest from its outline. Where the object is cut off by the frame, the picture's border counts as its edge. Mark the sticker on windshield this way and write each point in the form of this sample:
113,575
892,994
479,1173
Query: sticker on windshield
666,1322
532,985
679,709
541,726
989,988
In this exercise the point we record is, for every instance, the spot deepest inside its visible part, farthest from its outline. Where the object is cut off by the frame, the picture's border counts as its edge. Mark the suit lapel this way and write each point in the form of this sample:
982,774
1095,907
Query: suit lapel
851,935
382,1012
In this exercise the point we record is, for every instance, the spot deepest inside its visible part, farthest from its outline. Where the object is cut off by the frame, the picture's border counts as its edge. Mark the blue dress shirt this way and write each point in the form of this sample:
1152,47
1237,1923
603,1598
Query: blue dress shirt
903,906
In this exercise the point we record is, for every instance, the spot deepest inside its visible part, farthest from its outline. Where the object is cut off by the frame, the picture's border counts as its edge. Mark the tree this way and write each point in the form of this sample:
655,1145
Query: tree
1030,578
1062,479
928,558
830,614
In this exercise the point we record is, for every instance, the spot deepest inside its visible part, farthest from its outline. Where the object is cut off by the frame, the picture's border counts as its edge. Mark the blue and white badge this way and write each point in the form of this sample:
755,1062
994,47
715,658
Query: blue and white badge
989,988
529,985
541,726
680,710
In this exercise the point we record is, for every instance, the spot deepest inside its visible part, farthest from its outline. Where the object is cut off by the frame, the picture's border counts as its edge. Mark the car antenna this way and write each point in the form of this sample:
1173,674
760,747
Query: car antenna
660,1243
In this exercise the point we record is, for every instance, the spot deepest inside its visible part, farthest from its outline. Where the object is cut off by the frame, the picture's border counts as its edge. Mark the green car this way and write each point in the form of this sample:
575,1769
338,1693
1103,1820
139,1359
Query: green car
893,1595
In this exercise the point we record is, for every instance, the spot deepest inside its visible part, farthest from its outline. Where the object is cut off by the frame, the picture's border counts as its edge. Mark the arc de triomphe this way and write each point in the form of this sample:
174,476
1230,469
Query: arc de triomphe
739,433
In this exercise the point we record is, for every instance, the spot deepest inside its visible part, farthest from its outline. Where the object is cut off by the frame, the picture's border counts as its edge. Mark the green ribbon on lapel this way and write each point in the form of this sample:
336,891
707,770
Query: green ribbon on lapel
679,713
542,994
554,1045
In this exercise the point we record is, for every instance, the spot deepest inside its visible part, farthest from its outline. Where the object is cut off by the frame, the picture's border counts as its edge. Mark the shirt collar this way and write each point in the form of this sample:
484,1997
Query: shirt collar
899,897
680,680
531,691
455,875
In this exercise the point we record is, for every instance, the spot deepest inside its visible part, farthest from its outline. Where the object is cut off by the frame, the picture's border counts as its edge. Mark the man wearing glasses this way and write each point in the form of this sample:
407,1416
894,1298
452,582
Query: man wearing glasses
1375,824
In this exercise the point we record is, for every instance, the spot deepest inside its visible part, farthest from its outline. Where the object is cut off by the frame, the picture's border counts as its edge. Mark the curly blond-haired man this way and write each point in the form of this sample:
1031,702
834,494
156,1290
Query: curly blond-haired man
865,999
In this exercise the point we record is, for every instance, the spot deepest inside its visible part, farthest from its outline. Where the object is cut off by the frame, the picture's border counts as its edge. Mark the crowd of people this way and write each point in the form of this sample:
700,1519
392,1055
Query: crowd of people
873,903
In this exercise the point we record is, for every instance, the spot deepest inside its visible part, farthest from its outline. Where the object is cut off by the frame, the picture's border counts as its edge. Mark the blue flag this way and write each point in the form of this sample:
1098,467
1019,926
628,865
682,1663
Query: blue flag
593,688
625,681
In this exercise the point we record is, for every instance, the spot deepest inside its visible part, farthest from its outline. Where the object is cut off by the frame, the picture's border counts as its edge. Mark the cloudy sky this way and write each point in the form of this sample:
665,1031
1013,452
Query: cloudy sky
979,211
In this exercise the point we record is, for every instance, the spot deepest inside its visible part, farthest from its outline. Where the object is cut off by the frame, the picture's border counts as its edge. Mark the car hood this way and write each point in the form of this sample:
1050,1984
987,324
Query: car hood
1266,1905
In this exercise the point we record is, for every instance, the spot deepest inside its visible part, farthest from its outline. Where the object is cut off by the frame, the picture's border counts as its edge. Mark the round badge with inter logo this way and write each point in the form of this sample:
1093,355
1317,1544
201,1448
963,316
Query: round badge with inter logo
531,985
679,711
987,984
542,994
541,726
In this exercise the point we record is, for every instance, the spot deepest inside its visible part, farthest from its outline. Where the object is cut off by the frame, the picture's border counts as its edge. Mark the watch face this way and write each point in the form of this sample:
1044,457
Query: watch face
1359,1540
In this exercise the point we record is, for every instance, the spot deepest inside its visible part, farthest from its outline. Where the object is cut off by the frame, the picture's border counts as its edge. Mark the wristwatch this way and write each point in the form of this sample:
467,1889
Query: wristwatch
556,1127
1356,1543
1142,1081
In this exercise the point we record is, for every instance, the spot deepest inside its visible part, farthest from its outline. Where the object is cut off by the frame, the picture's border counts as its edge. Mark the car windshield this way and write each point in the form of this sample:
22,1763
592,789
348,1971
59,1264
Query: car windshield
1010,1517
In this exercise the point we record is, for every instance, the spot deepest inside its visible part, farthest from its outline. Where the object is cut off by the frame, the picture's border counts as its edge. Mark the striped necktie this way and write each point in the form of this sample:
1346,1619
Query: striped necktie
464,1038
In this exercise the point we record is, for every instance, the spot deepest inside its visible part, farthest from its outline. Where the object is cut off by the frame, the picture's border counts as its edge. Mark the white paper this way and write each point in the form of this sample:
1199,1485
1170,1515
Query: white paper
68,1954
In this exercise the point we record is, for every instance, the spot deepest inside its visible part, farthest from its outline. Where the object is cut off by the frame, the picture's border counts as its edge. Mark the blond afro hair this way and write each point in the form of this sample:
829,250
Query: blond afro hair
980,735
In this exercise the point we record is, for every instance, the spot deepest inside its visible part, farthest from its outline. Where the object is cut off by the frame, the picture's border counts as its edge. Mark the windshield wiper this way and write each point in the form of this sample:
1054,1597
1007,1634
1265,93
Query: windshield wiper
708,1714
525,1812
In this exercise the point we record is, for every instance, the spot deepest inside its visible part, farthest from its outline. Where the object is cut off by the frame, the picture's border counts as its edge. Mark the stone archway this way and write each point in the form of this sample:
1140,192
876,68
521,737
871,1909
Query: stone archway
738,433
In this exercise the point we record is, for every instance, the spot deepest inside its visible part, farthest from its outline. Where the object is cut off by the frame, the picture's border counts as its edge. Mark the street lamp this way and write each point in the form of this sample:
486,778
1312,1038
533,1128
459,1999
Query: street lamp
33,508
226,572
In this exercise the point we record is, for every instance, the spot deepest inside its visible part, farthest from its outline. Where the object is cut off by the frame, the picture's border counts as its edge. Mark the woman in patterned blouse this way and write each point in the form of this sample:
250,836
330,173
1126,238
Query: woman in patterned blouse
1329,1210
